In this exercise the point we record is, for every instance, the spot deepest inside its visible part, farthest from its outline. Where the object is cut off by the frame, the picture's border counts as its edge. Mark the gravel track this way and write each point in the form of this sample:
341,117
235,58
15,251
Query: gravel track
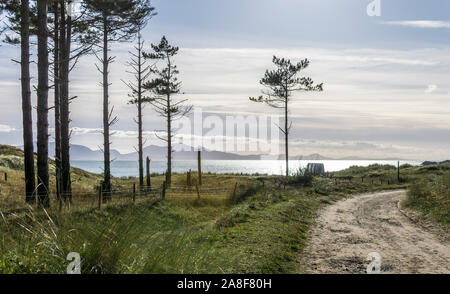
346,232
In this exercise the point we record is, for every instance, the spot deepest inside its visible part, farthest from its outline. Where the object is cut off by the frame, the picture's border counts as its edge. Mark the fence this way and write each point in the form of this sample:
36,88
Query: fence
376,179
200,191
99,199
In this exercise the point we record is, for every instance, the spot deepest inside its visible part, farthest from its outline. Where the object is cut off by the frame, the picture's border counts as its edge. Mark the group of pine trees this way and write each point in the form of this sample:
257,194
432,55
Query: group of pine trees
63,37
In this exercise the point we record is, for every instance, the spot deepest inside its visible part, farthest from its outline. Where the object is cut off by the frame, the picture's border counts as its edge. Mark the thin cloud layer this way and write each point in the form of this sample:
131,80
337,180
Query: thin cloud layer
383,87
427,24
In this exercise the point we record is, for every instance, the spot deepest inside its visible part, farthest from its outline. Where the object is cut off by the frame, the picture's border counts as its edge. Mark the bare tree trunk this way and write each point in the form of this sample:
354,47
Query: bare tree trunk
65,37
42,105
286,137
169,129
27,118
140,147
169,146
141,154
56,67
106,115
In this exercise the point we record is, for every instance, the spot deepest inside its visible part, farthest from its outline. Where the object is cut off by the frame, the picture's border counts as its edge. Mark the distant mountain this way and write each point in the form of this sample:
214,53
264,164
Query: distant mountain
364,158
185,153
80,152
314,156
181,152
83,153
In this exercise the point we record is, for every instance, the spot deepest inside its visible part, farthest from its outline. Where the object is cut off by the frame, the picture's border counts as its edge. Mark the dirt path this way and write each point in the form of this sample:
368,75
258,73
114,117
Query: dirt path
346,232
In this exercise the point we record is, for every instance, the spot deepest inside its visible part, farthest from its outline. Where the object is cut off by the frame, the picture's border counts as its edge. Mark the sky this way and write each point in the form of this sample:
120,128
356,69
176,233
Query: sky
386,88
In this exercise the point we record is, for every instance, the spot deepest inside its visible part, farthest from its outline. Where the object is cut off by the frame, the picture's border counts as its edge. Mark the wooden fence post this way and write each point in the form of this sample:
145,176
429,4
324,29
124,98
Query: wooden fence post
100,198
199,162
189,178
6,177
198,191
134,192
163,194
149,184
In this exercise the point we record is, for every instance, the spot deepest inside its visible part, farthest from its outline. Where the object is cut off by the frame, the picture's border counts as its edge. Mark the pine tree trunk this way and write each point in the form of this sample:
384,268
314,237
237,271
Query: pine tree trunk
286,138
42,106
56,68
169,146
169,127
141,154
27,118
106,143
66,183
140,147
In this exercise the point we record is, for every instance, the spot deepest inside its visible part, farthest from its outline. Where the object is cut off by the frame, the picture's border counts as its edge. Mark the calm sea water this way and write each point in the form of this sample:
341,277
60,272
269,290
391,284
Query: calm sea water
271,167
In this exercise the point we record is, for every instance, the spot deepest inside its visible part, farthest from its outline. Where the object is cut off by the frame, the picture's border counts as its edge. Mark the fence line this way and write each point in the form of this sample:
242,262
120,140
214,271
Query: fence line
99,198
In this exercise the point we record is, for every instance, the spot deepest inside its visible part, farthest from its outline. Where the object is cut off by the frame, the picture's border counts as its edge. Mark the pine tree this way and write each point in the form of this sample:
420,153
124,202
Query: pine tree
282,82
141,71
112,21
42,105
72,40
56,66
20,16
164,88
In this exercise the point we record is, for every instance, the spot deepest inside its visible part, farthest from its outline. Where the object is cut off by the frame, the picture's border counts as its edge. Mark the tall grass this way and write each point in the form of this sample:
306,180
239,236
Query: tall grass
431,196
149,238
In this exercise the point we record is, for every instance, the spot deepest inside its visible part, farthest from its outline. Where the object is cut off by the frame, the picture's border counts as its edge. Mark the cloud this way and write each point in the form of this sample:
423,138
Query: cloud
85,131
431,89
6,129
428,24
366,90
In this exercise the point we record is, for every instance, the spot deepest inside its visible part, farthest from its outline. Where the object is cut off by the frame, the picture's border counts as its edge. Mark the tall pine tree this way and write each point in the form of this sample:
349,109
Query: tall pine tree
72,39
42,105
164,88
112,21
282,82
140,69
19,17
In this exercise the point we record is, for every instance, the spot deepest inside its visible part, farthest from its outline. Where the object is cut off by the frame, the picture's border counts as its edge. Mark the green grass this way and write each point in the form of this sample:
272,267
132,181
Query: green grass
257,230
431,197
261,228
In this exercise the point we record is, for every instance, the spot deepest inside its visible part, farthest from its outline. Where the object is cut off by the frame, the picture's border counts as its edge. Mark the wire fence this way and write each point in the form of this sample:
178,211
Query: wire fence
369,179
99,198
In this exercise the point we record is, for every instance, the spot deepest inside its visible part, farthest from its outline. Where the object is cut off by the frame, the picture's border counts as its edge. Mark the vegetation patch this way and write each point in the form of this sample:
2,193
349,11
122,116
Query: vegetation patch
431,197
237,224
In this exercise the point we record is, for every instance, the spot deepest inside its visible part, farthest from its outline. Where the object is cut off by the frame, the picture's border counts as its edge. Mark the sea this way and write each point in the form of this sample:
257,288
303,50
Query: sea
269,167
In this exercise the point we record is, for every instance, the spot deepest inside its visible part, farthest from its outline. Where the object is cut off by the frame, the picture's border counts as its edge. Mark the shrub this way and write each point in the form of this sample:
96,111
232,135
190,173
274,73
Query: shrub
303,179
418,190
12,162
243,193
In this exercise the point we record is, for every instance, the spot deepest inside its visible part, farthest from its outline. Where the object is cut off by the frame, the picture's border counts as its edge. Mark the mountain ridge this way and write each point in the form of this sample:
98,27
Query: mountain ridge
83,153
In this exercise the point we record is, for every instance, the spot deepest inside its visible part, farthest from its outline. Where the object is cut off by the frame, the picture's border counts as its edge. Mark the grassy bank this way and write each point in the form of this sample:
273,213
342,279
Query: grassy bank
431,197
259,227
259,230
